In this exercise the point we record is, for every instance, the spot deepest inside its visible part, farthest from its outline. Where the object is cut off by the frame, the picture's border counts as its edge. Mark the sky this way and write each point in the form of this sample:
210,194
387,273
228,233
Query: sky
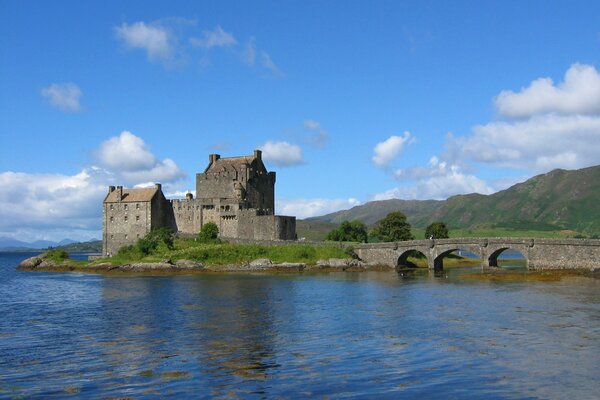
350,101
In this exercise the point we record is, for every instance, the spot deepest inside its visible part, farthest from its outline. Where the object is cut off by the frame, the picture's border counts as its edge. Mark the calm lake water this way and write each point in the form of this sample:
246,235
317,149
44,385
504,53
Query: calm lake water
339,335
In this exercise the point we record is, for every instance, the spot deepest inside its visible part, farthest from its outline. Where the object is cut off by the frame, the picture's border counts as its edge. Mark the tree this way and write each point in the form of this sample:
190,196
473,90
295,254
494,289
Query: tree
349,231
393,228
436,230
208,233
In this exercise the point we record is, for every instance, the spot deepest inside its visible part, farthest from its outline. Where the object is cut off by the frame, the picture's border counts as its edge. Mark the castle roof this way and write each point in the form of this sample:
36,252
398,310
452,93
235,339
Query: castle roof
132,195
218,164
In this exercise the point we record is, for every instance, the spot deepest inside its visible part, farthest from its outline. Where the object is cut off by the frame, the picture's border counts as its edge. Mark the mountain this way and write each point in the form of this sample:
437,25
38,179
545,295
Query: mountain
373,211
558,200
8,244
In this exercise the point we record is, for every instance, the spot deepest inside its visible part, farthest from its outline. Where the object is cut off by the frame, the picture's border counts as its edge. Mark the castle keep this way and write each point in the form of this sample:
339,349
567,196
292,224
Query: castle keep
236,193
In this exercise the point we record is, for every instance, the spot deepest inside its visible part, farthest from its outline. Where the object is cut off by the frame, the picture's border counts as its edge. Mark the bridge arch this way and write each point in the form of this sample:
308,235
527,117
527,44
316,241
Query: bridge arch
492,258
445,250
402,261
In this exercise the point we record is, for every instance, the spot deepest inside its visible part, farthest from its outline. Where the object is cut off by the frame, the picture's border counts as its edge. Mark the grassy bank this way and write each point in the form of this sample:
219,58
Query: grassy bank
227,253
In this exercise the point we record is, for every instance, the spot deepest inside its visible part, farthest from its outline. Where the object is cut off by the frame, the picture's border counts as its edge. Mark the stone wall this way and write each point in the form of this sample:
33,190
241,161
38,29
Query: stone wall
124,223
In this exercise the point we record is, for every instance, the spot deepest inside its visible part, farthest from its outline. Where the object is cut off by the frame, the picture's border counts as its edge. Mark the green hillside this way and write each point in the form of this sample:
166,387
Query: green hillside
559,203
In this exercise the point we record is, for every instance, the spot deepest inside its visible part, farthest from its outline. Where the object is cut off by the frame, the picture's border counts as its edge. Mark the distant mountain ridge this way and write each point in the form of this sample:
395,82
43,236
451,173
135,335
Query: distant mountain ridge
558,200
9,244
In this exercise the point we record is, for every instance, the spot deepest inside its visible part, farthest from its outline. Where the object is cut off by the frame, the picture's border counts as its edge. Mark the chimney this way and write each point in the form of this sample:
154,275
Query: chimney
257,154
158,186
213,157
120,193
111,189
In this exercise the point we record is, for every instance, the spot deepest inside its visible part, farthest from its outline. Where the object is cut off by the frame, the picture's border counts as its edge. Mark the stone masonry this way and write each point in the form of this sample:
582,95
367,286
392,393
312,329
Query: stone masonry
236,193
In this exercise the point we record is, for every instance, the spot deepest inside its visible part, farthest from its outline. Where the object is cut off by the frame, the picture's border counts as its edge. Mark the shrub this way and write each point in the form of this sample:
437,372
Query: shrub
208,233
149,243
57,254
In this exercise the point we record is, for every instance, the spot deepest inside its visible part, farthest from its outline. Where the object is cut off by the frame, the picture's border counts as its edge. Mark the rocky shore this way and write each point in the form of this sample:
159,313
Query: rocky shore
42,263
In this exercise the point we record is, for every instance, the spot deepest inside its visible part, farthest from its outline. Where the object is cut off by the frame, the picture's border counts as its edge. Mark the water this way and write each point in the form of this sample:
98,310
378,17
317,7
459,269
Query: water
339,335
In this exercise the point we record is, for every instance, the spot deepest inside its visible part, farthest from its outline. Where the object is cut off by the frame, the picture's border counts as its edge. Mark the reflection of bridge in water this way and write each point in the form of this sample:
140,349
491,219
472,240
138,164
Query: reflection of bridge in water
538,253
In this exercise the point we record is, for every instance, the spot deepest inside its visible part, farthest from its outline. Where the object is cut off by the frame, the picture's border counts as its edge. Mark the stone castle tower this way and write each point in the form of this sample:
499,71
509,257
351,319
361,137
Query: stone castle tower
236,193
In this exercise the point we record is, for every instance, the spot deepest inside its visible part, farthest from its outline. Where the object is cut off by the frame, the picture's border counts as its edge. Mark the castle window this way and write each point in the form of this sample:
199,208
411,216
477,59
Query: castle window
126,218
137,206
111,207
137,236
111,219
125,236
137,217
125,207
112,236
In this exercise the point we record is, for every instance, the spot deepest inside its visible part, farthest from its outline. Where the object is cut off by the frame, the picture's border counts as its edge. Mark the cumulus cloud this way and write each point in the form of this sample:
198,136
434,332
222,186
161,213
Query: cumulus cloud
282,154
64,96
437,181
52,206
386,151
306,208
130,156
56,206
579,93
539,143
155,39
215,38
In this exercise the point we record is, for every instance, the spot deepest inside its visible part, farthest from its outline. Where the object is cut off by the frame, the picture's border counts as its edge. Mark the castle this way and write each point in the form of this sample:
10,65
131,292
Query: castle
236,193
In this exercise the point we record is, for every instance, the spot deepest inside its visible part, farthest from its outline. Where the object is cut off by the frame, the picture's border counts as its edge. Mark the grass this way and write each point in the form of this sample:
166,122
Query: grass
228,253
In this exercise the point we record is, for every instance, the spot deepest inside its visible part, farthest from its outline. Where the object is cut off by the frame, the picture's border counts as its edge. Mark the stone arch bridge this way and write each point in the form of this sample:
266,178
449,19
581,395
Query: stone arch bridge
538,253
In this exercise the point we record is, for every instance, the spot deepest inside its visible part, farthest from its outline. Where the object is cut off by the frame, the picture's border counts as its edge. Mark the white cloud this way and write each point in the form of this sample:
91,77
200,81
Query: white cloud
318,136
249,54
64,96
579,93
311,124
267,62
306,208
539,143
438,180
282,154
56,206
153,38
216,38
131,158
52,206
386,151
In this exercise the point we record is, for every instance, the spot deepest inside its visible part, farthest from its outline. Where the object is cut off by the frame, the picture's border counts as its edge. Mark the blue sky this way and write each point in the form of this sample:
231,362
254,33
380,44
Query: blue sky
350,101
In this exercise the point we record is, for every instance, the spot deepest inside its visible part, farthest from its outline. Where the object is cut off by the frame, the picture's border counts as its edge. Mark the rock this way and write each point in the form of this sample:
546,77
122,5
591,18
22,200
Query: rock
31,262
287,267
188,264
338,262
261,262
159,266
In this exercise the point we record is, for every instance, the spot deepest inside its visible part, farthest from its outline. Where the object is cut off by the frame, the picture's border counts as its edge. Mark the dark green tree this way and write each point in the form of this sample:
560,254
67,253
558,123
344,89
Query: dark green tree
349,231
436,230
392,228
208,233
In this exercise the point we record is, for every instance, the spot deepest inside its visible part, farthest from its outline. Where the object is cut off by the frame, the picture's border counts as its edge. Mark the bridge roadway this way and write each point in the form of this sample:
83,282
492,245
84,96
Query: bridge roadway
538,253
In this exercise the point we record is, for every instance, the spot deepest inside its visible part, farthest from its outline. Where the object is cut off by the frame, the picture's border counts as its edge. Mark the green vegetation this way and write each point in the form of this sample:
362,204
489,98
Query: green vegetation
436,230
393,228
209,233
349,231
57,255
217,254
